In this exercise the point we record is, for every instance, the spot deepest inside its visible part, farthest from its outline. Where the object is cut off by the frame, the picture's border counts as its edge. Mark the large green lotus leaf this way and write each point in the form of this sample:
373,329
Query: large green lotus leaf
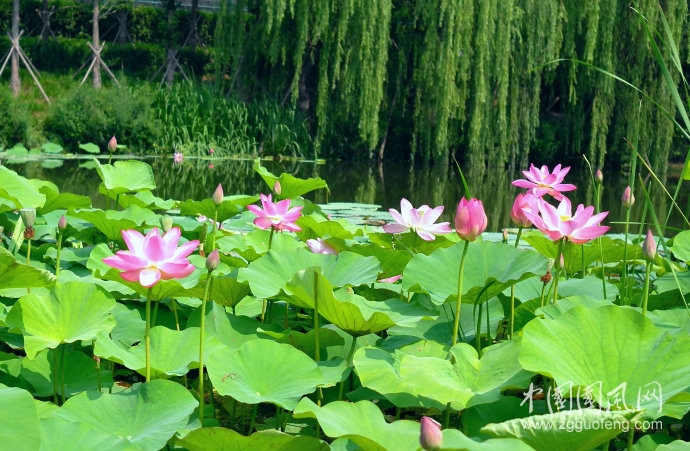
591,286
71,311
218,438
364,425
230,330
411,381
146,415
551,311
269,274
306,342
316,226
19,191
14,274
145,199
681,246
290,186
62,201
490,268
393,262
674,321
254,244
615,353
60,433
172,351
225,290
264,371
350,312
568,430
19,418
231,206
651,442
438,327
111,222
79,370
125,177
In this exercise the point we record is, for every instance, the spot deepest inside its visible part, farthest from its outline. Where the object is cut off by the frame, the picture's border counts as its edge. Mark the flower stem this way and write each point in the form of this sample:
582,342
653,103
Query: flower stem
62,373
270,237
458,302
645,292
557,265
55,378
202,325
512,293
59,248
147,335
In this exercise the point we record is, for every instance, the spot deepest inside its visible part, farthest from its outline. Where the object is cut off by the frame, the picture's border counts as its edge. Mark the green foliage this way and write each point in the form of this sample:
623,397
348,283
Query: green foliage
15,123
87,115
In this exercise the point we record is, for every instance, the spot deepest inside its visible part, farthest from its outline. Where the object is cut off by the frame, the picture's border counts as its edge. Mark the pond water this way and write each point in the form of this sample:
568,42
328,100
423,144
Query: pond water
382,185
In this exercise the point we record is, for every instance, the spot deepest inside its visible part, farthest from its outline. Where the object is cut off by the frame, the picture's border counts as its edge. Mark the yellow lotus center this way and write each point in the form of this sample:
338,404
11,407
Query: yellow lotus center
565,218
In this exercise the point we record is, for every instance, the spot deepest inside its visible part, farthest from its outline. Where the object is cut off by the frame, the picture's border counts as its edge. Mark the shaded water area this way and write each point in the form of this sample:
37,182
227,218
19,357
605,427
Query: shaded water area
383,185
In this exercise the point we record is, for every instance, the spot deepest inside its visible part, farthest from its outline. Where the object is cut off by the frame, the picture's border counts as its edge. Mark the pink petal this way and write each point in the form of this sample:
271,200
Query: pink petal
185,250
149,277
395,228
176,270
263,222
396,216
134,240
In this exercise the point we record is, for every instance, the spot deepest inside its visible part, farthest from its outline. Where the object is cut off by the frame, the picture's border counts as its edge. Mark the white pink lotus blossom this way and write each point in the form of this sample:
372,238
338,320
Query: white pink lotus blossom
541,182
420,220
178,157
559,222
151,258
319,246
276,215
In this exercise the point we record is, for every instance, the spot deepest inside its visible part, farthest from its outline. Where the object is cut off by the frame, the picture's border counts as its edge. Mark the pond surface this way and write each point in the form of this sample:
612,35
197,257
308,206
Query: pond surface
383,185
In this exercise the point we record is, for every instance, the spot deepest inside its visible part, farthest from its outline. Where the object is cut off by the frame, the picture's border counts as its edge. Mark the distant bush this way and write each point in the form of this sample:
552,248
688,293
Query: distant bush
87,115
15,123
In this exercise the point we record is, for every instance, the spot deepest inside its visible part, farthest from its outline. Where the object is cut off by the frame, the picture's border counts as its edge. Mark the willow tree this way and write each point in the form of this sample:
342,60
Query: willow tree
474,78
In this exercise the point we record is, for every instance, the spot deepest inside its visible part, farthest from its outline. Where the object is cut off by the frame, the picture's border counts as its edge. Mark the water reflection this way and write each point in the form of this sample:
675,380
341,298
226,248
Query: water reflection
383,185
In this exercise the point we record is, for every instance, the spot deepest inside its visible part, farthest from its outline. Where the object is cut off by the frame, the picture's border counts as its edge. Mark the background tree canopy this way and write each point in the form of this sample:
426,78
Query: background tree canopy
494,83
473,78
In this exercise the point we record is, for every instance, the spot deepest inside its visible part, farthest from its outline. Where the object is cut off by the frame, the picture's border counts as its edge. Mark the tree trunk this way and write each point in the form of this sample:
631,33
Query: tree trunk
193,24
96,45
45,18
170,60
15,81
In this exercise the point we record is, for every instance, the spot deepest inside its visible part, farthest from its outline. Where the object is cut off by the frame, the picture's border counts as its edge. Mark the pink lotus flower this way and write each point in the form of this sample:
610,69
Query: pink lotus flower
319,246
541,182
470,219
430,437
419,220
277,215
178,157
151,258
628,198
527,201
559,222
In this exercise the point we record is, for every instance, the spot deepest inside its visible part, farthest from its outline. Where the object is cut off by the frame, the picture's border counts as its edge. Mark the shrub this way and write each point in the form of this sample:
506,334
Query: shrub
87,115
15,124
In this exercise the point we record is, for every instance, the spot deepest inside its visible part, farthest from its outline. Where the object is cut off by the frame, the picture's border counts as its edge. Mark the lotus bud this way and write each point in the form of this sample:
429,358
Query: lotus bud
649,247
505,236
210,151
628,198
470,219
218,195
599,177
212,260
430,437
277,188
166,223
62,223
28,216
112,145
